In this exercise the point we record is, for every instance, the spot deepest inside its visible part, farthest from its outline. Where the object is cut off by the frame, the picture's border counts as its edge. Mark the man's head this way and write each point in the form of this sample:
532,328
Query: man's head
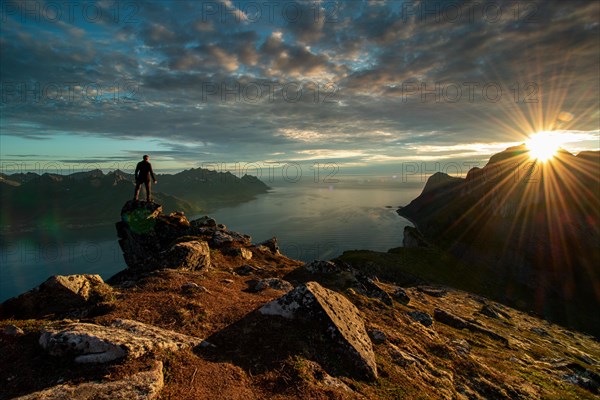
146,157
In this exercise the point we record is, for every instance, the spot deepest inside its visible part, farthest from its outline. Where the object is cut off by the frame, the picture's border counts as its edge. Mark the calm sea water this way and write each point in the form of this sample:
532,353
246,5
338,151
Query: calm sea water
310,222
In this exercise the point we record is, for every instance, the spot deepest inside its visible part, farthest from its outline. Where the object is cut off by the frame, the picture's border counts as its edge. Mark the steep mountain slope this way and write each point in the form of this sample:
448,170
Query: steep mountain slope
533,228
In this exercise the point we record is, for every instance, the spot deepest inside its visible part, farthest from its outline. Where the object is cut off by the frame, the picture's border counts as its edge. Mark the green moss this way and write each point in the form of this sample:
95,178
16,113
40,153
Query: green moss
139,222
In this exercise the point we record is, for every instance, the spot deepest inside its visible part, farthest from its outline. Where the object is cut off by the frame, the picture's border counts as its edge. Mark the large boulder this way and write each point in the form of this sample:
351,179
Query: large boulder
91,343
60,294
337,315
192,255
141,386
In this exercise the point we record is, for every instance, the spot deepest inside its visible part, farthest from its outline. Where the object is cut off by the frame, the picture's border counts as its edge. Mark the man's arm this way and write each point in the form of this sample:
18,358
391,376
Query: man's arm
137,170
152,173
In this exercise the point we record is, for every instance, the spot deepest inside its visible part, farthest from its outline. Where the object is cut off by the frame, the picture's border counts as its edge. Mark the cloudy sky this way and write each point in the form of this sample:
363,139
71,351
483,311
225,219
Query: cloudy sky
368,86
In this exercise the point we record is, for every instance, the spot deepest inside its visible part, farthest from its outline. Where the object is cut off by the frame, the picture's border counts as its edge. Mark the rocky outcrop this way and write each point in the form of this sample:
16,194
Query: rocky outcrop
151,240
413,238
91,343
338,316
141,386
60,294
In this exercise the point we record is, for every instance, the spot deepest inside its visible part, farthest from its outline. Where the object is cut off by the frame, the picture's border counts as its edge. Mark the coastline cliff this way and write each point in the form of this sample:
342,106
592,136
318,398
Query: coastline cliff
532,228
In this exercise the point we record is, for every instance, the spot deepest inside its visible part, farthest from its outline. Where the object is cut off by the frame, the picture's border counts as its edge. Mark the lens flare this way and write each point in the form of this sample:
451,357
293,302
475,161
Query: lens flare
544,145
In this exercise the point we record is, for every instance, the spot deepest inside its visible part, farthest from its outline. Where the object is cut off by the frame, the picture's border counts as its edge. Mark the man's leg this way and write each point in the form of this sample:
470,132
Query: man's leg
148,194
136,192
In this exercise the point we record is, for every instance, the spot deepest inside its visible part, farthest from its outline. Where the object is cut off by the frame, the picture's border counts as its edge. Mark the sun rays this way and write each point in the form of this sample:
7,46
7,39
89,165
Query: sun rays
544,145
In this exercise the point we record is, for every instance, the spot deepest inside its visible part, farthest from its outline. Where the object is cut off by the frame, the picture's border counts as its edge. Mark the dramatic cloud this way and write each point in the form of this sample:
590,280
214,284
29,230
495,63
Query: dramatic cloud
358,83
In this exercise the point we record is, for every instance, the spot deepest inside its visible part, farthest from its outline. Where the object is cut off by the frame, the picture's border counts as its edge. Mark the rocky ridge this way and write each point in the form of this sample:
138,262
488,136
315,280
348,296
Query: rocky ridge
203,312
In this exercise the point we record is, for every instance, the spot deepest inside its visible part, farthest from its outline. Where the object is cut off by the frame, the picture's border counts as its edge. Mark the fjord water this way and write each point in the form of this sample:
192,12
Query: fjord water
309,221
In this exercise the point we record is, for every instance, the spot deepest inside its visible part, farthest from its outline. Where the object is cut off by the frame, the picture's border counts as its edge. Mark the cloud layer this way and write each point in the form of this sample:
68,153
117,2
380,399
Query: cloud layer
357,82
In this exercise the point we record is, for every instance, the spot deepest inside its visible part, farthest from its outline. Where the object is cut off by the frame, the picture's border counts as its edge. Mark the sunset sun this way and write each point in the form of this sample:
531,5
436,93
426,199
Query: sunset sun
543,145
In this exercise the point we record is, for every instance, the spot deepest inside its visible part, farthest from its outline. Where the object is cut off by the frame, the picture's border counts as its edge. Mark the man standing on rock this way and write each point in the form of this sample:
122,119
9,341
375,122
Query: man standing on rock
143,173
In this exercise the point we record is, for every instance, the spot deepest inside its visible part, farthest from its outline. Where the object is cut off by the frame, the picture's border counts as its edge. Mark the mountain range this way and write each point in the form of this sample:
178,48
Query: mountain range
30,199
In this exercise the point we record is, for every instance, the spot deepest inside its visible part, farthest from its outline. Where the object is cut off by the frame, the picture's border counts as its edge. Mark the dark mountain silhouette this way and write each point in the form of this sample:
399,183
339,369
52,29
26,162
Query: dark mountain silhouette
532,228
30,199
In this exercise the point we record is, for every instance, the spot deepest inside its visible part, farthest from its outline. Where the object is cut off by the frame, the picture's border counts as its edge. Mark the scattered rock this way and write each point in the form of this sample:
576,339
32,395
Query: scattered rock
540,331
339,317
401,295
331,382
421,317
205,221
583,377
225,238
271,244
247,269
377,336
433,292
59,294
273,283
91,343
193,256
192,287
321,267
585,358
229,281
400,357
450,319
242,252
493,311
371,288
178,217
221,239
460,323
461,346
125,284
141,386
12,330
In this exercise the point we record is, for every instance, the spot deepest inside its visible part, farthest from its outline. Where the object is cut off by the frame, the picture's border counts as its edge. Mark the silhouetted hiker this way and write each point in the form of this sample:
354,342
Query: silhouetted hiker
143,173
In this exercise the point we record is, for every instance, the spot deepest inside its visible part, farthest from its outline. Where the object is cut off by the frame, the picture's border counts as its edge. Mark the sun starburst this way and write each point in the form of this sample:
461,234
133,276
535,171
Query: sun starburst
544,145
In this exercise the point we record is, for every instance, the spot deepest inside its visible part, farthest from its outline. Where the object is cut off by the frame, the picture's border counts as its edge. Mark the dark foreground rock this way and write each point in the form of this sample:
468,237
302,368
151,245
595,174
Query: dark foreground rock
151,240
341,318
460,323
60,294
141,386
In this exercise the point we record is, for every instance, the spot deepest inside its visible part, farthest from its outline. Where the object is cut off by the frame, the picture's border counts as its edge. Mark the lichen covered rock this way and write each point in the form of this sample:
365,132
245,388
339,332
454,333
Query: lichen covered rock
141,386
91,343
337,315
59,294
